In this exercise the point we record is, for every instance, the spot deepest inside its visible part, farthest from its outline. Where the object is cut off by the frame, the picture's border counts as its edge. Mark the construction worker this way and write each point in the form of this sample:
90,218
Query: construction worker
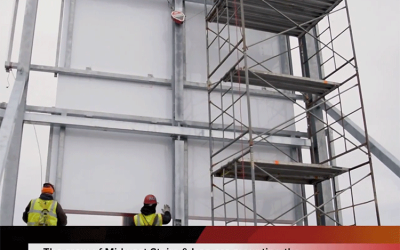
45,211
148,215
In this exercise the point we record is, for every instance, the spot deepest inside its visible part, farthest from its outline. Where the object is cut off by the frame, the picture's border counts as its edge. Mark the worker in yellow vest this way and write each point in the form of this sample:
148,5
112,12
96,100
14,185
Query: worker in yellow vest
148,215
45,211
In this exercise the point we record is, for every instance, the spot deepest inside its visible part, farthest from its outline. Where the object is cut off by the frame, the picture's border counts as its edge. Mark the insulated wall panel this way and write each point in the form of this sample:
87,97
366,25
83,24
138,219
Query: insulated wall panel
114,97
105,171
123,36
112,172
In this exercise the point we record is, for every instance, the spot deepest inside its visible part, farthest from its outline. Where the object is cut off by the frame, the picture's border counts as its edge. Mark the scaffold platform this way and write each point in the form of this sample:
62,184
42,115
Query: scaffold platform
261,15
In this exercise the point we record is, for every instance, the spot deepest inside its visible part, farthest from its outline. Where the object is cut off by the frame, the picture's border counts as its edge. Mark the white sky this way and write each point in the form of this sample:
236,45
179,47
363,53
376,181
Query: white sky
376,28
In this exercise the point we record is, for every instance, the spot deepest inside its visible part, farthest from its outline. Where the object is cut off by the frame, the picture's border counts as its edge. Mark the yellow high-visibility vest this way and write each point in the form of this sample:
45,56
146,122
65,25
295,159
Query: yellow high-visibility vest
42,213
148,220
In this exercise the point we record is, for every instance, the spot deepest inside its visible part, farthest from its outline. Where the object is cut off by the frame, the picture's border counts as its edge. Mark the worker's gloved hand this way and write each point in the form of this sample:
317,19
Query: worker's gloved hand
166,208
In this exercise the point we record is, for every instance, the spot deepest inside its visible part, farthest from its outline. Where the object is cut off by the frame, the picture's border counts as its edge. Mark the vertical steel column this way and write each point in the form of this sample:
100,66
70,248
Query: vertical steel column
49,154
59,34
303,193
62,129
186,184
335,180
180,184
286,67
12,124
60,164
9,191
70,32
297,188
253,181
295,153
312,69
178,79
178,69
12,34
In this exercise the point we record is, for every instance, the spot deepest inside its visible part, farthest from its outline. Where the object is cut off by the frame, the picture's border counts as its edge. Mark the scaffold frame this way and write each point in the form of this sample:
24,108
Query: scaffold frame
319,88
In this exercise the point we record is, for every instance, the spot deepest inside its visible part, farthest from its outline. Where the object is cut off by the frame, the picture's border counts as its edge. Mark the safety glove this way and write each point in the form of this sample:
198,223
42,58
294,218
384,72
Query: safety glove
166,208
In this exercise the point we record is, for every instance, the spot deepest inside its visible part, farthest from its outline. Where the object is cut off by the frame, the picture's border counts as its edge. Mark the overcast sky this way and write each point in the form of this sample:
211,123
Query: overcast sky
376,28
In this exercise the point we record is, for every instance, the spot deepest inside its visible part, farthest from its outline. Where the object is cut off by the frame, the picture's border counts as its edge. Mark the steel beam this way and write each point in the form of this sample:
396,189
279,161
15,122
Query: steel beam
145,80
186,184
9,190
311,68
49,154
178,82
287,69
178,77
180,184
377,149
335,183
130,215
70,32
141,119
59,34
11,127
12,33
208,2
62,130
155,129
60,163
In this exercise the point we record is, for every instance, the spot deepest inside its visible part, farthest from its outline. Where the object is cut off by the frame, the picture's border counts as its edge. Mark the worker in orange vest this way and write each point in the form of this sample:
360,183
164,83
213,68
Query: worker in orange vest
148,215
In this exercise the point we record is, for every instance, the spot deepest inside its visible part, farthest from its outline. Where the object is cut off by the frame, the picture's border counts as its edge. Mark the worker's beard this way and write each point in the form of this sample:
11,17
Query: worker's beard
146,210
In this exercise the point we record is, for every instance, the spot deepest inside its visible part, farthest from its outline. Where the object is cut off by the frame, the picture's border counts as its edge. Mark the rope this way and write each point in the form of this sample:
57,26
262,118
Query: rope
40,157
37,140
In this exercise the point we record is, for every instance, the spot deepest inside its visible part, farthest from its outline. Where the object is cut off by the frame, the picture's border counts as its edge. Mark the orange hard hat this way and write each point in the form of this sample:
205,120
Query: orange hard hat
150,199
48,188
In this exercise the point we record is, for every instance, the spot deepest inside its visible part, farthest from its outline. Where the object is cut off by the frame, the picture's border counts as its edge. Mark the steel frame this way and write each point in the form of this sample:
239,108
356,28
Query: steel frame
16,112
60,119
321,128
12,123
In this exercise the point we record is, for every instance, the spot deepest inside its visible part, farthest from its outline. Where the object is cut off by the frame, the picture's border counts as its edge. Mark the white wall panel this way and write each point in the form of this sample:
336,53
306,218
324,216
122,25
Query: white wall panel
266,112
123,36
114,97
105,171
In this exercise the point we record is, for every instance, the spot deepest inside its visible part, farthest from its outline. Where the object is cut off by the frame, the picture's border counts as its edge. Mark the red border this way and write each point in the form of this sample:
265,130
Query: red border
359,234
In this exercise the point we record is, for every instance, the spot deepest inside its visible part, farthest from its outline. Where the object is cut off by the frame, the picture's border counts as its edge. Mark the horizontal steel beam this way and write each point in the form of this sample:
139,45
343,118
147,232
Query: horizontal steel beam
208,2
142,119
142,79
152,129
376,149
147,128
105,213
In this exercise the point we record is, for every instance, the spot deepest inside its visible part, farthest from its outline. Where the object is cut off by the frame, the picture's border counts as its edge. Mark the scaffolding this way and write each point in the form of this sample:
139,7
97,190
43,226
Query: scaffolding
324,88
